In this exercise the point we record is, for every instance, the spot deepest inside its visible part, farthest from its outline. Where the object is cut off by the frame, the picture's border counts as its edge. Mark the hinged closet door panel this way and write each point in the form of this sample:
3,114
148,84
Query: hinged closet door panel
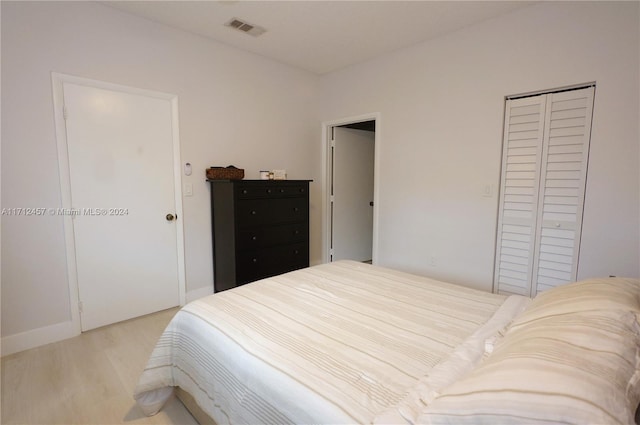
562,187
522,151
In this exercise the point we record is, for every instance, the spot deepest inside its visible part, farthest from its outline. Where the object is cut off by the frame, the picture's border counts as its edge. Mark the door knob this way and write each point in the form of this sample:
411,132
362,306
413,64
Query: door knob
171,217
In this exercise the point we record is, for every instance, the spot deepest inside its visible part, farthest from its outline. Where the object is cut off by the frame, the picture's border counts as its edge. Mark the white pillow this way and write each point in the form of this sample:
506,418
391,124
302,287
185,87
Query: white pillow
587,295
566,359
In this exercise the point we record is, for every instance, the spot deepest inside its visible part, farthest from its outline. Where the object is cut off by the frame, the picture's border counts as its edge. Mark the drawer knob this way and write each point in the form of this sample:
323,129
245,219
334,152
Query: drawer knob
296,209
281,190
254,238
254,260
245,191
253,212
296,252
296,232
268,190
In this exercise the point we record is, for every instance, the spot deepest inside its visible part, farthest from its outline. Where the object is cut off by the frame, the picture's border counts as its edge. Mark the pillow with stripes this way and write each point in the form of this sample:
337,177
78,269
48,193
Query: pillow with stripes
555,364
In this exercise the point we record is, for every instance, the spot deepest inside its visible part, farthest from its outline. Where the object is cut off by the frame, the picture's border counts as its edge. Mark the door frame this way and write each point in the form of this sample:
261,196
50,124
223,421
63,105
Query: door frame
57,80
327,180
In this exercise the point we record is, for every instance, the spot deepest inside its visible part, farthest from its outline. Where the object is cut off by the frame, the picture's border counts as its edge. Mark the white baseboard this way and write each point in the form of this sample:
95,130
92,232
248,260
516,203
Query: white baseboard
37,337
199,293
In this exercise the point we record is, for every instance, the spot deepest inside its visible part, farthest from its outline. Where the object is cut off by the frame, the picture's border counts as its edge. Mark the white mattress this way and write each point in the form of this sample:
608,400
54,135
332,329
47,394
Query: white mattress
343,342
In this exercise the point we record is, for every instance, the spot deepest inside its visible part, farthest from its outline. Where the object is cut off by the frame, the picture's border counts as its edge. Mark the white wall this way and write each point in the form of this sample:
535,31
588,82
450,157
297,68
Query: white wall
235,108
442,105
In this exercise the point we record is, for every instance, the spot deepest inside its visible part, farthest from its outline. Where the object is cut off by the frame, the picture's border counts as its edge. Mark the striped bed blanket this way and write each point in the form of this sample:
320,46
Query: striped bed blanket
347,342
336,343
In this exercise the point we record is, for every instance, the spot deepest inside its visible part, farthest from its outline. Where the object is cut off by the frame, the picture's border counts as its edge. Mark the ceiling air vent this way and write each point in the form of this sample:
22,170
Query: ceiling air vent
245,27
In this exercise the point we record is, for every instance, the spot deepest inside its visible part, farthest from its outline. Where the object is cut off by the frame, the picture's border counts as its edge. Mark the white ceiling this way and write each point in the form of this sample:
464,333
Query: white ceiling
320,36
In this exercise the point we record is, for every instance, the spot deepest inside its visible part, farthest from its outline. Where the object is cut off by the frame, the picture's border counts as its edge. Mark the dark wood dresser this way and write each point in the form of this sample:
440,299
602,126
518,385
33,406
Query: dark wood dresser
260,229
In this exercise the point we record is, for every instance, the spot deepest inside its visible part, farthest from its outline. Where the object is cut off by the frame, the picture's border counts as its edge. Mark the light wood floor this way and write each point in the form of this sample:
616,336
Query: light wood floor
88,379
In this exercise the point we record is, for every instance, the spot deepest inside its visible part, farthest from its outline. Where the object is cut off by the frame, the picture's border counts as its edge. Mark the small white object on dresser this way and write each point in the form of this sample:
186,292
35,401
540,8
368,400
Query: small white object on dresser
279,174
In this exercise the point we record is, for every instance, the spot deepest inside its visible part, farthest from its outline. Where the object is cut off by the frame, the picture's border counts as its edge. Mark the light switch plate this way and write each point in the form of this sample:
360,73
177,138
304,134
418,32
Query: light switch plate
487,190
188,189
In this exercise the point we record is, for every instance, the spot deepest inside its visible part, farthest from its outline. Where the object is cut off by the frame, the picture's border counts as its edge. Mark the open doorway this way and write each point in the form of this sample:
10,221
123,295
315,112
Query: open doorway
350,185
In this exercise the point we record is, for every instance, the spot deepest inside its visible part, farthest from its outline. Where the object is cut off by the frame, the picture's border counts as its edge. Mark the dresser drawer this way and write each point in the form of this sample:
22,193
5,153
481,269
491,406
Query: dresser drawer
257,264
252,212
270,190
260,237
258,212
288,210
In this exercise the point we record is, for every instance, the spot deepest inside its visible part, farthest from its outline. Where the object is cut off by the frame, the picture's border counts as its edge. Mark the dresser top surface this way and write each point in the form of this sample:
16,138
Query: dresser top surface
258,181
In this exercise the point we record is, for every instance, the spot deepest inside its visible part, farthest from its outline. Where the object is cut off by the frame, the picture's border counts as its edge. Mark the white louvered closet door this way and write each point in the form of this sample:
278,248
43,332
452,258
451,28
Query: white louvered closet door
545,153
522,152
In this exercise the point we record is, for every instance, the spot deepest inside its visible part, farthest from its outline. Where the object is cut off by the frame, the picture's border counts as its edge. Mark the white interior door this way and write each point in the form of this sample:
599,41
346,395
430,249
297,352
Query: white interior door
522,153
352,214
121,165
544,170
565,156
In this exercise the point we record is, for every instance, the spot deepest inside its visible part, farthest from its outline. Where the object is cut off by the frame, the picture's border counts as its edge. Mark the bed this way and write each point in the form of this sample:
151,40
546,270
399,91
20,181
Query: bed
348,342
